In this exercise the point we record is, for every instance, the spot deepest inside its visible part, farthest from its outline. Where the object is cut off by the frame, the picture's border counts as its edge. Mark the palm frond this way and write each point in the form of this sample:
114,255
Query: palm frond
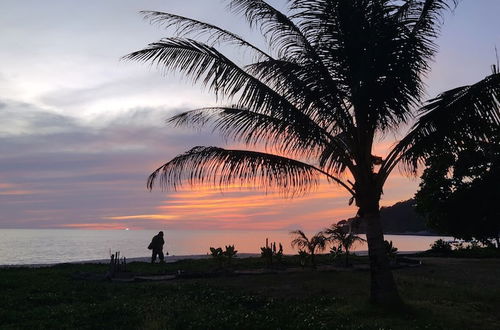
196,60
450,121
299,139
281,33
352,239
423,20
297,83
301,240
204,63
185,27
292,45
338,155
294,138
318,242
219,167
430,16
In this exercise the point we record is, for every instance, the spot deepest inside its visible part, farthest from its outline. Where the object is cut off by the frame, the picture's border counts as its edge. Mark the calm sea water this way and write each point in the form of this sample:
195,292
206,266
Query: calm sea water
47,246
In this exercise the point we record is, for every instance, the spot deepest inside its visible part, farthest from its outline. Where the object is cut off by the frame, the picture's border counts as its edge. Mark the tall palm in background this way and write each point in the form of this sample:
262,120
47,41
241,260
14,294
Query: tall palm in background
336,75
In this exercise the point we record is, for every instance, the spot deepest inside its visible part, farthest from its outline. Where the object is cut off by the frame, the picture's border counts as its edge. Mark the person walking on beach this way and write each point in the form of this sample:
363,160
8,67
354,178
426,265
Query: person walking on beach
157,246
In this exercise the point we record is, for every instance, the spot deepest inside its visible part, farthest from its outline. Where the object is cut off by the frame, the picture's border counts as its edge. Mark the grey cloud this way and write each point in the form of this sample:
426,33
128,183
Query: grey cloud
27,119
75,172
116,88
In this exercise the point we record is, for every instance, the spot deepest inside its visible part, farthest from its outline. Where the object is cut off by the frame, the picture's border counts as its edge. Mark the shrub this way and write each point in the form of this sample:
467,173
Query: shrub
441,246
223,257
269,252
303,256
229,253
335,251
217,255
390,249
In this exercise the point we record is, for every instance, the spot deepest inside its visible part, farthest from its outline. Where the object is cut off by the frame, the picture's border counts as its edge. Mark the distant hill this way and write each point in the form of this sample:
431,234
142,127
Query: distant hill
400,218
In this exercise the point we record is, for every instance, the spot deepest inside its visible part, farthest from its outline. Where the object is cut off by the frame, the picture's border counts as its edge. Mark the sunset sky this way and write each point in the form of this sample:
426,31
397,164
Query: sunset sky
81,130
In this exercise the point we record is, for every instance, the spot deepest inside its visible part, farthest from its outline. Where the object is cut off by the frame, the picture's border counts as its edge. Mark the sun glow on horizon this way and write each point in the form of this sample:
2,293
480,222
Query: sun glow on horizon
246,208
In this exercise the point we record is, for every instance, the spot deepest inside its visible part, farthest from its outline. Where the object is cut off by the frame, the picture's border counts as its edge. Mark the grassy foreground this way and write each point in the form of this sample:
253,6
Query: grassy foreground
441,294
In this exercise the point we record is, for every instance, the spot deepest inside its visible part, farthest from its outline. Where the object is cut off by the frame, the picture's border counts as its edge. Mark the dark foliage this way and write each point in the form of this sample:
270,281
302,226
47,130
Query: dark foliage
441,246
459,193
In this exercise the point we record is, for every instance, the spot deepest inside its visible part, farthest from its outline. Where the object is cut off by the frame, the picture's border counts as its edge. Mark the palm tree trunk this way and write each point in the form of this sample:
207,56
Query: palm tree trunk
347,257
383,287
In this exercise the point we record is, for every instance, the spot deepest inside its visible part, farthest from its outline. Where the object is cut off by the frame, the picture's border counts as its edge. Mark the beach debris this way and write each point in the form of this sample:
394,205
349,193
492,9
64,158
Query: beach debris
117,266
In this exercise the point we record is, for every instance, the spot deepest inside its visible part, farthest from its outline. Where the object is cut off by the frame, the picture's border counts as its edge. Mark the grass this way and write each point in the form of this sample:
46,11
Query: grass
441,294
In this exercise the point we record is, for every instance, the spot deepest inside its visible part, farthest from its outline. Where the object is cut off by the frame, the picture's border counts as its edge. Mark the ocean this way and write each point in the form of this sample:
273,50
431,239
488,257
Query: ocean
49,246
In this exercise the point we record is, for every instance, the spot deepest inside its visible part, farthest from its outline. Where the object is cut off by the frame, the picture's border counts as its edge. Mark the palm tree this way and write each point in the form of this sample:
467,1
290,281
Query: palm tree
317,243
335,76
343,235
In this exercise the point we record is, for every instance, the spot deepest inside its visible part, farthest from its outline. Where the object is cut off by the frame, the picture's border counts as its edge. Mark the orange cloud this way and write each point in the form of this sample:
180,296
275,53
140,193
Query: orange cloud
144,216
246,208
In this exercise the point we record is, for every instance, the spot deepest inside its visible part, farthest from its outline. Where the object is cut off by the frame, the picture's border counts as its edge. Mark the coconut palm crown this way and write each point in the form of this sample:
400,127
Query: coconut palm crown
335,75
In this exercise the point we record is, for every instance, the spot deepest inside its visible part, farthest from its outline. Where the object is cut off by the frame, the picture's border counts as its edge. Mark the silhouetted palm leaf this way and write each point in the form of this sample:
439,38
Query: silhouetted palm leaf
185,26
280,31
301,241
451,121
317,243
222,168
293,138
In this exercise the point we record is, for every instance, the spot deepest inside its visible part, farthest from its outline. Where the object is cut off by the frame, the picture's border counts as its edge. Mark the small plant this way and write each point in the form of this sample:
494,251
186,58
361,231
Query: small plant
390,249
341,233
335,252
441,246
217,254
303,256
223,257
269,252
278,254
229,253
317,243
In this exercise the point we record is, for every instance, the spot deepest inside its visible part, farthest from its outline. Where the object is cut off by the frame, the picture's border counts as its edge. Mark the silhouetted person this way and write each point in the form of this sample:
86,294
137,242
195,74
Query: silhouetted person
157,246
